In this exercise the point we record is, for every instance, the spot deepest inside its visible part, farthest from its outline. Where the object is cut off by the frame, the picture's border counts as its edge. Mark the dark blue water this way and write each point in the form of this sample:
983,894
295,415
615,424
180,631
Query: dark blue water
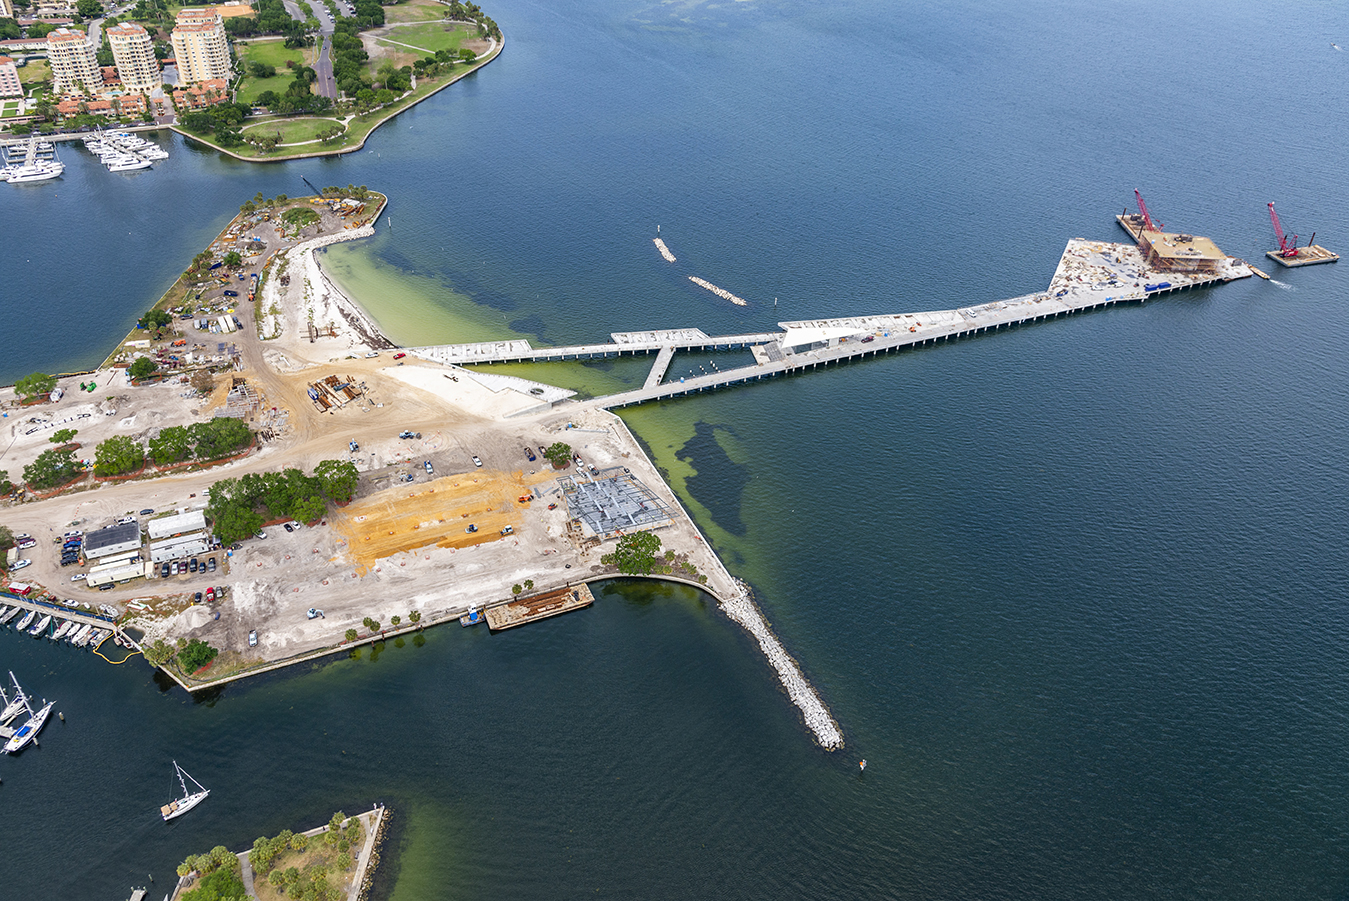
1076,591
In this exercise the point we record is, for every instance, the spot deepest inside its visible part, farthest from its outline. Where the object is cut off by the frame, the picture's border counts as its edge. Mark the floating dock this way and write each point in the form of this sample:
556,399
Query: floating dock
1310,255
540,606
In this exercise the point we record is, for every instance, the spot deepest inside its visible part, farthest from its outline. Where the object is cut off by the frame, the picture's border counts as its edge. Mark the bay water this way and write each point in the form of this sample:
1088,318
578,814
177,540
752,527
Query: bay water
1076,591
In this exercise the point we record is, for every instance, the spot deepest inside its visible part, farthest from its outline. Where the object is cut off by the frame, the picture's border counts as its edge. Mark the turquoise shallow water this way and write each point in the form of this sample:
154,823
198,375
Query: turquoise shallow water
1074,590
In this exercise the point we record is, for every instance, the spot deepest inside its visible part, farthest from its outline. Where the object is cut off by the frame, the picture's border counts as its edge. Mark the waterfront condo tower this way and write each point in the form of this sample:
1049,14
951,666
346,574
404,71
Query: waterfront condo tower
199,47
74,65
134,55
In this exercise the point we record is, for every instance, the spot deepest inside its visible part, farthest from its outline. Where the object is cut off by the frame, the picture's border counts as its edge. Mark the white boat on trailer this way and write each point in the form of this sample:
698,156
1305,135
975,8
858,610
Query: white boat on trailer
189,799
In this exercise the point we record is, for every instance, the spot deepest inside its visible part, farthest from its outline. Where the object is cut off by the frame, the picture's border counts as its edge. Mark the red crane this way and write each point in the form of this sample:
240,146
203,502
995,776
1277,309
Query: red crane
1147,219
1287,248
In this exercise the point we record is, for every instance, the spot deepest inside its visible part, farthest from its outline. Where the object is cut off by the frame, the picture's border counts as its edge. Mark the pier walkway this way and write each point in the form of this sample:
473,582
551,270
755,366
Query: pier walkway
1090,275
660,367
521,351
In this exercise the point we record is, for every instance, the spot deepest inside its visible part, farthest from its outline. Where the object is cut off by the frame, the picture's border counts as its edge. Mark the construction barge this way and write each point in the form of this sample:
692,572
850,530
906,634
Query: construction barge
540,606
1292,256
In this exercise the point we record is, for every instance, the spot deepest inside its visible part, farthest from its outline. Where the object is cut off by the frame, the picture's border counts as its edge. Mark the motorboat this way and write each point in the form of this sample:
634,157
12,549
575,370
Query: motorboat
128,164
30,172
189,799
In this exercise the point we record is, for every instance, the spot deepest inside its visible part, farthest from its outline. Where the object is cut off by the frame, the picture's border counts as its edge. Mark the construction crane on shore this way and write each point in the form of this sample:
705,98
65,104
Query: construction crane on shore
1287,248
1147,218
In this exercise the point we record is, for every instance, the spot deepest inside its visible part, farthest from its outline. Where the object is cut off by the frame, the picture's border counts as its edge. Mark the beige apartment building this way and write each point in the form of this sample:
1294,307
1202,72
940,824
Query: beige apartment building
199,47
74,65
134,54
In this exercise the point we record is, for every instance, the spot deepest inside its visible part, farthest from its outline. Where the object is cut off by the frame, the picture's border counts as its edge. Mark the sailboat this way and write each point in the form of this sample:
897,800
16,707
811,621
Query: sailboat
189,799
29,730
15,707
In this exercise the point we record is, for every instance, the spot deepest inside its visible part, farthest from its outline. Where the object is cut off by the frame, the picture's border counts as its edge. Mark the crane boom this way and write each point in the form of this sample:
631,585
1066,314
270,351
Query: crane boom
1147,218
1287,248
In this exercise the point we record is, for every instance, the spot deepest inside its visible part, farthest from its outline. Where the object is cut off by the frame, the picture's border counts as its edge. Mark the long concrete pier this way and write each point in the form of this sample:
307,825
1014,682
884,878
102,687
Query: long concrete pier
1090,275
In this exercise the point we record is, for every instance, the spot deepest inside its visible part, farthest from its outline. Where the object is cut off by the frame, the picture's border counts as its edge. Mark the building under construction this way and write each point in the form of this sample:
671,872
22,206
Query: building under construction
1169,251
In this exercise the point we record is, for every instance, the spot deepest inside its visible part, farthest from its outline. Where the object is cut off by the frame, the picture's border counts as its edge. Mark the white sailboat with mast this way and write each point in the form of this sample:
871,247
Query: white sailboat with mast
189,799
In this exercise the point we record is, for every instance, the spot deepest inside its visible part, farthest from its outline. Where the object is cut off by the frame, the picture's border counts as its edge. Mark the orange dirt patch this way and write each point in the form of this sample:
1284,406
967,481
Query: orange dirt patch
413,516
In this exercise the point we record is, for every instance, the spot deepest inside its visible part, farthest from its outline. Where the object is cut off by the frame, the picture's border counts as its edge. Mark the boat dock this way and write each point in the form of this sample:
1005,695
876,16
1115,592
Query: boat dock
539,606
95,620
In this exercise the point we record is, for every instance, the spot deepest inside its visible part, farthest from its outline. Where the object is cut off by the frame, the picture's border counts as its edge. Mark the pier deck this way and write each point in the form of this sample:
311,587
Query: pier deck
98,621
521,351
541,606
660,367
1090,275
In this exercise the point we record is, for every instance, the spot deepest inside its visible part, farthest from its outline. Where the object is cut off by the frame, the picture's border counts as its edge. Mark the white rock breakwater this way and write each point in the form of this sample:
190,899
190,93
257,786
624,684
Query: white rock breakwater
743,610
664,251
720,292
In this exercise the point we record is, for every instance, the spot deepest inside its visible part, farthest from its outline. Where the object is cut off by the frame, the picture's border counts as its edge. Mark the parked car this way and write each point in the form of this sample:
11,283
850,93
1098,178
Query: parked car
427,464
77,577
20,565
147,511
288,527
192,565
407,434
173,568
508,530
164,571
399,356
210,565
210,595
476,461
231,293
259,534
197,597
471,528
314,613
530,454
253,638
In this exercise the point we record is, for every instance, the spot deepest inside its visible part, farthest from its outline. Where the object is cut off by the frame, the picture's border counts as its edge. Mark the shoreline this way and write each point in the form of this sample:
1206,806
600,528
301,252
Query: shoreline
339,151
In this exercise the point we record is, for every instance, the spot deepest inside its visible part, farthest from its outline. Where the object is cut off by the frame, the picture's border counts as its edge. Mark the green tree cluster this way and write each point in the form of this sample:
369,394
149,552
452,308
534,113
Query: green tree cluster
63,436
156,319
142,367
635,554
35,385
558,454
236,505
118,455
51,468
196,655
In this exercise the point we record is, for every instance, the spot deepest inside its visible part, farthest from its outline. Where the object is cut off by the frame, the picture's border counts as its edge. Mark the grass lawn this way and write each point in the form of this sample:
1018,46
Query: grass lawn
9,108
293,131
428,36
36,70
414,11
274,53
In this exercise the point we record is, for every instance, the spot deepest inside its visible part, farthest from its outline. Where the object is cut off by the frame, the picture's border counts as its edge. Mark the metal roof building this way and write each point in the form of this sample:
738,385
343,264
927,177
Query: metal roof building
118,539
191,521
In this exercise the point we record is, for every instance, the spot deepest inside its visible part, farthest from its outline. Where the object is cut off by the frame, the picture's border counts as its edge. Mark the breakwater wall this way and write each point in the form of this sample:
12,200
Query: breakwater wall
819,720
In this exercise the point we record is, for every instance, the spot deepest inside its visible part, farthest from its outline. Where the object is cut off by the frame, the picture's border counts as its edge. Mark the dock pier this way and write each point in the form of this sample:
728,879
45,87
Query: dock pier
1090,275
